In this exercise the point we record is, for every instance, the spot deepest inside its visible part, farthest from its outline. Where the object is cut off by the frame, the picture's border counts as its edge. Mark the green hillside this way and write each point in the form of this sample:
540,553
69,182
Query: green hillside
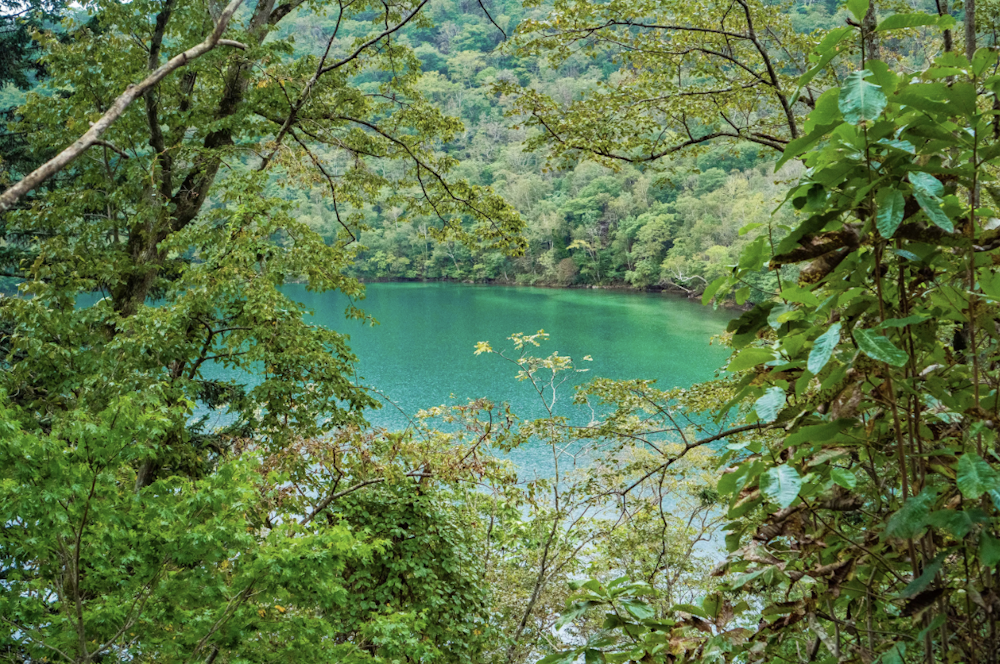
675,224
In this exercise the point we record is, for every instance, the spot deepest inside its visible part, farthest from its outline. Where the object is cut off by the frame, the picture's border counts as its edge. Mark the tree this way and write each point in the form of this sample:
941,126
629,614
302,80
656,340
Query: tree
137,529
19,62
607,507
687,74
20,67
864,514
650,243
150,214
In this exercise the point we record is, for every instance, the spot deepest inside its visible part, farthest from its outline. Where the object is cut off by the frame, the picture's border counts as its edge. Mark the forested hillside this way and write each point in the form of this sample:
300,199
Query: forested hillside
675,225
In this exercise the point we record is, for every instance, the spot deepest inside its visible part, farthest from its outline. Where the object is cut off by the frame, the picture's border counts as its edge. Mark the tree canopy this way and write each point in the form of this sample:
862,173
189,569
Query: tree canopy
833,496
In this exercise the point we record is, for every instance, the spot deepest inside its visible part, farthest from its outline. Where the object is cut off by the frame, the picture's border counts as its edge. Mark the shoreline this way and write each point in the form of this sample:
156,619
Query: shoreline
667,292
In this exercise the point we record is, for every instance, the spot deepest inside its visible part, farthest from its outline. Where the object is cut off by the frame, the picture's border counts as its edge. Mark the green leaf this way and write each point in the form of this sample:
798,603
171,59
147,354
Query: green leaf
989,282
901,21
823,349
690,608
781,314
781,485
962,96
745,327
844,478
890,211
824,60
883,76
803,143
975,476
932,208
712,289
983,59
926,183
796,293
879,348
858,7
894,655
712,603
914,96
744,579
565,657
989,549
827,111
906,255
769,405
749,358
817,433
574,611
926,578
911,518
834,37
859,100
637,609
611,621
957,523
755,254
905,146
915,319
727,484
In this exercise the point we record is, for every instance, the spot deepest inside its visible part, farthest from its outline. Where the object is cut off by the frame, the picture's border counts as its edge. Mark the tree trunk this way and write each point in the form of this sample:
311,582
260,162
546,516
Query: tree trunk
868,25
970,28
942,6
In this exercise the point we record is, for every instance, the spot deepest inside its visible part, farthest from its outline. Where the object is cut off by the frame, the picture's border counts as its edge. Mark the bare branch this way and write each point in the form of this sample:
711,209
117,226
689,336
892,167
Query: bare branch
486,11
690,446
113,148
374,40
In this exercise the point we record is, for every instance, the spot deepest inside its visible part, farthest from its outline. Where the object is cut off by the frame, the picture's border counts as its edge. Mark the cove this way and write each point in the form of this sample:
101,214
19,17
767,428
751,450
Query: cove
421,354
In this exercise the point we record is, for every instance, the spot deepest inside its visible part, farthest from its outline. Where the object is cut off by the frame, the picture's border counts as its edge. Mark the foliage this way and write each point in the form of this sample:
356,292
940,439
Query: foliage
687,74
178,235
139,525
578,79
19,63
21,68
624,499
184,568
847,460
590,214
863,519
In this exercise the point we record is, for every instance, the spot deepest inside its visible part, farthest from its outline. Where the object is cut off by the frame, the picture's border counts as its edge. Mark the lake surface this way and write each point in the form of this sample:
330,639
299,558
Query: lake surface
422,352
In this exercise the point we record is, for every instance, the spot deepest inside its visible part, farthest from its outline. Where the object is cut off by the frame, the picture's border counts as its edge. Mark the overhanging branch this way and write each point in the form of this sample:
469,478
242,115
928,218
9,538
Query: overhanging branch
93,135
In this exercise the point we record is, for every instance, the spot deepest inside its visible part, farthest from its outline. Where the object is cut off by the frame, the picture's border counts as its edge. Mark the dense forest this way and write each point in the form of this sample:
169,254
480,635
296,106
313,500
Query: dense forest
674,226
169,166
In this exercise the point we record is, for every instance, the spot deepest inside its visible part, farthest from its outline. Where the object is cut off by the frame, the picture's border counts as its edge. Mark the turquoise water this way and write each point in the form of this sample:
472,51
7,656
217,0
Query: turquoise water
422,352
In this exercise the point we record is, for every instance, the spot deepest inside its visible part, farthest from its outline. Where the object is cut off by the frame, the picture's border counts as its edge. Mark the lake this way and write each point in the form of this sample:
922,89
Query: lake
422,352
